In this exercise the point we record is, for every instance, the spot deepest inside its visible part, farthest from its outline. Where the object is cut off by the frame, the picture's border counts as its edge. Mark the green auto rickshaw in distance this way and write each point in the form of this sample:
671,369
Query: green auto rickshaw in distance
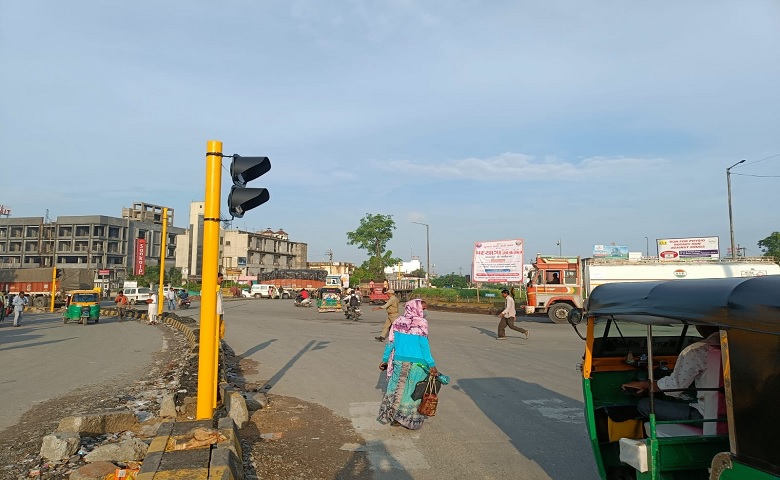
81,306
635,333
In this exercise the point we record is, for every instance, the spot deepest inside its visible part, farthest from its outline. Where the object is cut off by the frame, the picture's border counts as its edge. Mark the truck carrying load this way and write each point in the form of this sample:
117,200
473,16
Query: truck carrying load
37,282
558,284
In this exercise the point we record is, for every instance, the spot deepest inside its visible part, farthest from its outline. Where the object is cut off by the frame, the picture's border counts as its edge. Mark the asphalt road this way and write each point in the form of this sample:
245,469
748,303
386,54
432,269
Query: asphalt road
513,409
44,358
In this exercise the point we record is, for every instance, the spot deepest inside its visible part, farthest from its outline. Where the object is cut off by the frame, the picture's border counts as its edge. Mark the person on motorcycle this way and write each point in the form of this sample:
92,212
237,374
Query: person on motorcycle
303,297
353,302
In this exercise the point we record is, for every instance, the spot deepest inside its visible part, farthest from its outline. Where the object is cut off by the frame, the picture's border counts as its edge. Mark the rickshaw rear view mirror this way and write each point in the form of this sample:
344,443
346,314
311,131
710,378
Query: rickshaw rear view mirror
575,316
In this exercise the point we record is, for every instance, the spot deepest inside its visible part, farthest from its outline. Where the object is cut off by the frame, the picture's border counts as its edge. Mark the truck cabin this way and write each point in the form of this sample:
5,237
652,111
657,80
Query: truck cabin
554,271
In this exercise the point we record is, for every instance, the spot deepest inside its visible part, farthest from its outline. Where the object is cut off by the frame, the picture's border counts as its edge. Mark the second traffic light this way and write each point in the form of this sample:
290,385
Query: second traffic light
242,171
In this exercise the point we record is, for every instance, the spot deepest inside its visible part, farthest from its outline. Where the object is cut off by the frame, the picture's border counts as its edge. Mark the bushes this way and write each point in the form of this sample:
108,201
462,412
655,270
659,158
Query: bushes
468,295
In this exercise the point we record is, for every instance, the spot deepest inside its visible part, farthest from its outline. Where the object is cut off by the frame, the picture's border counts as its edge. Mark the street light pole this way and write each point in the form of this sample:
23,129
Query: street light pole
731,217
560,247
647,247
427,254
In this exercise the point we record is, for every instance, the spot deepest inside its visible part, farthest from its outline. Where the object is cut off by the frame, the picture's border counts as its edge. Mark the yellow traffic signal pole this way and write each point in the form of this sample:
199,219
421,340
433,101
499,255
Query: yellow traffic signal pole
53,288
207,358
160,299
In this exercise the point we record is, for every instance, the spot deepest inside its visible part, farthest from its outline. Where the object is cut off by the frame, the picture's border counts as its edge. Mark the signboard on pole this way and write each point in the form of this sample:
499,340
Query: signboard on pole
498,261
670,249
610,251
139,265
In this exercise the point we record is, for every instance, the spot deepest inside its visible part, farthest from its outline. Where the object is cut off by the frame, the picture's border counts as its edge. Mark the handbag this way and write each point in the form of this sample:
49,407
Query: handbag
430,399
419,387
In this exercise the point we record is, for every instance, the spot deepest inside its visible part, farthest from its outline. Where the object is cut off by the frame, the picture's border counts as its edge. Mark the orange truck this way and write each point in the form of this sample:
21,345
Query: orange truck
558,284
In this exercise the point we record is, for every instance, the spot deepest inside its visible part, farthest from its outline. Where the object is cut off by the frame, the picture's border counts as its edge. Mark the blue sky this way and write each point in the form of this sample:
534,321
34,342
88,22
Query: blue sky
586,121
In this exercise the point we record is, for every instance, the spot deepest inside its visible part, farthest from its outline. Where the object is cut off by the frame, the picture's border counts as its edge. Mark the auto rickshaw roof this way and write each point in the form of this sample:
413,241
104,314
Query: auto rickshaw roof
751,303
71,292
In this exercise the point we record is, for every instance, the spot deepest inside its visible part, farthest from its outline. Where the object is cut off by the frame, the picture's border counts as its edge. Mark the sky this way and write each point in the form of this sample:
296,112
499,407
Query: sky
577,122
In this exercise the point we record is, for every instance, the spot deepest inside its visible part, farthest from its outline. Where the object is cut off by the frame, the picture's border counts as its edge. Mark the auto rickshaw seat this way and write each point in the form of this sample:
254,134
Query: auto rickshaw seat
714,404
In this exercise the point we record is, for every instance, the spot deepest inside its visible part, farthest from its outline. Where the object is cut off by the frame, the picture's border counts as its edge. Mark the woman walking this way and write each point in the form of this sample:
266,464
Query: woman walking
408,360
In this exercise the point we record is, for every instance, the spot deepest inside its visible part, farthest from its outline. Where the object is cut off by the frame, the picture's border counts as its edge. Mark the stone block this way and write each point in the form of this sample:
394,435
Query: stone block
256,400
93,471
125,451
60,445
99,423
168,406
237,409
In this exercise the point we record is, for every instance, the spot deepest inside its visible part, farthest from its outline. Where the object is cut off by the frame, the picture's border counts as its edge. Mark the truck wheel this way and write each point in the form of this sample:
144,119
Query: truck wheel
559,312
39,302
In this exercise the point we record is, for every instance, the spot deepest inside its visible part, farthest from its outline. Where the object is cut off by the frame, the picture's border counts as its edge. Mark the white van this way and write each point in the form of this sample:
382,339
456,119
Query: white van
137,295
262,290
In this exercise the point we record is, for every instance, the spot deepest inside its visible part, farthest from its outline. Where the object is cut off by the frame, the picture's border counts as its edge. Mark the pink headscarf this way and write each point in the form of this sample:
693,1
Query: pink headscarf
411,322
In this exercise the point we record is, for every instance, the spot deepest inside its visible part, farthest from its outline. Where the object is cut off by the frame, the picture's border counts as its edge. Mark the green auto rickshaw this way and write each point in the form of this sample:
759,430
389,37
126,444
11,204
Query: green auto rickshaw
636,333
81,306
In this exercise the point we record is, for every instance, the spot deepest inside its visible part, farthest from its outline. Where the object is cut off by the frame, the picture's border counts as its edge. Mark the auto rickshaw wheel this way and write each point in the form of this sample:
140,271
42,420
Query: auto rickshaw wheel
84,320
64,319
97,320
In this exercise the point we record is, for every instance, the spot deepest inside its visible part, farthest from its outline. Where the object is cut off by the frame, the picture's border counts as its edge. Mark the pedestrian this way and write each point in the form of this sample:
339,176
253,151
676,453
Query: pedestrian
391,307
152,312
385,286
507,317
407,360
220,309
19,302
371,286
3,301
121,305
171,296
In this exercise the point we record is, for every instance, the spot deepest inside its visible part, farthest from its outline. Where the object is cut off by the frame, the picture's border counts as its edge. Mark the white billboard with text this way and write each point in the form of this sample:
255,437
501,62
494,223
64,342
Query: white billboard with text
671,249
498,262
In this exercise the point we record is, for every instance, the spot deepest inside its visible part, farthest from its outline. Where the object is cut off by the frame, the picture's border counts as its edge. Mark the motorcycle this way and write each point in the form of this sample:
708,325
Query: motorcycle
301,302
353,313
184,303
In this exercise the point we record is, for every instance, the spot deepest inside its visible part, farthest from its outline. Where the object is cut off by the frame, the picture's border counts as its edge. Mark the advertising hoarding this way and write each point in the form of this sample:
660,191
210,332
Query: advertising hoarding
692,248
139,265
610,251
498,261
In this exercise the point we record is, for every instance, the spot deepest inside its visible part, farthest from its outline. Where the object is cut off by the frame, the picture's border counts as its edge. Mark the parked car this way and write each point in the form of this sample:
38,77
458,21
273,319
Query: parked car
137,295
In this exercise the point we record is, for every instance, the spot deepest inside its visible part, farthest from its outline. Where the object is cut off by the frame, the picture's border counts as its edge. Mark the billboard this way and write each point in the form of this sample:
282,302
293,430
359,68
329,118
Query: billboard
692,248
610,251
139,265
498,262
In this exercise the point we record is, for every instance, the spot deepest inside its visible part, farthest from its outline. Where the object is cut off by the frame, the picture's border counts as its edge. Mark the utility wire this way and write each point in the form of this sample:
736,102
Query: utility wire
767,158
759,176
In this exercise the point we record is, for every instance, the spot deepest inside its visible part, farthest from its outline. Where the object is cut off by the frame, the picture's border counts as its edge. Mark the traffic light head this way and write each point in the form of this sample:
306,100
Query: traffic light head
246,169
242,171
243,199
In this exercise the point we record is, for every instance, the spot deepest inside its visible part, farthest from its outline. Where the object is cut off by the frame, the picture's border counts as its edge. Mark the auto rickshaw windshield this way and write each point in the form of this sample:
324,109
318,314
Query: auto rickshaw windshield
85,297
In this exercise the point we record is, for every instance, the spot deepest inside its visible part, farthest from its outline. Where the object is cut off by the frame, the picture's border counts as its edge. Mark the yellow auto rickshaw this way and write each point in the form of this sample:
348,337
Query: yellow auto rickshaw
329,299
81,306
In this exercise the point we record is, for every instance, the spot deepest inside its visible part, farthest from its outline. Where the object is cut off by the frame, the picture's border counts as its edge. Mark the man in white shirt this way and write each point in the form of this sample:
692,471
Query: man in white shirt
152,311
507,317
689,369
171,297
19,302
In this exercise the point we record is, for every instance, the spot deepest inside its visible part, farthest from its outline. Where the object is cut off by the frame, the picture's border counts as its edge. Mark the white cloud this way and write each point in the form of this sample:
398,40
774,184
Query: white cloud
513,166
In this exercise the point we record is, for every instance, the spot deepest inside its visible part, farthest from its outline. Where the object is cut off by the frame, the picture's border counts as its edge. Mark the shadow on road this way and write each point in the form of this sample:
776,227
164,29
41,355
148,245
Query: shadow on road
312,345
257,348
531,415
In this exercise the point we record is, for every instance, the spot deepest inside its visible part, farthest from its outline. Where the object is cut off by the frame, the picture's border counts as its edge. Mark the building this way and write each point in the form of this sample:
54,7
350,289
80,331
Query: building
106,244
241,253
404,268
333,268
251,253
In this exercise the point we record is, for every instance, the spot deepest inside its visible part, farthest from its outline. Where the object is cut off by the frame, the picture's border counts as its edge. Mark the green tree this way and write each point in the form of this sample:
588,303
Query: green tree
771,246
419,273
450,280
373,234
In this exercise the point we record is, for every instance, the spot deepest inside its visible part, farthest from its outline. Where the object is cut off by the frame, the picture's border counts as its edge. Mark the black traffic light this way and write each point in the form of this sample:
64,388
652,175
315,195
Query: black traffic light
244,170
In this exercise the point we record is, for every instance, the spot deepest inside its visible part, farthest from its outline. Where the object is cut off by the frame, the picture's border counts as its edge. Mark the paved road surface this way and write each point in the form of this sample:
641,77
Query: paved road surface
513,410
44,358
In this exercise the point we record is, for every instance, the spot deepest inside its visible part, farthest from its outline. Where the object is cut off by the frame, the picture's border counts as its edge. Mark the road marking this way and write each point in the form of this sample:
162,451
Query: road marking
388,448
555,409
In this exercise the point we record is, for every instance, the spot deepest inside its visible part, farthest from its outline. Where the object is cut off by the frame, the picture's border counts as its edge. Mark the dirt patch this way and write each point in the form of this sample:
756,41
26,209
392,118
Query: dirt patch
292,439
20,444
